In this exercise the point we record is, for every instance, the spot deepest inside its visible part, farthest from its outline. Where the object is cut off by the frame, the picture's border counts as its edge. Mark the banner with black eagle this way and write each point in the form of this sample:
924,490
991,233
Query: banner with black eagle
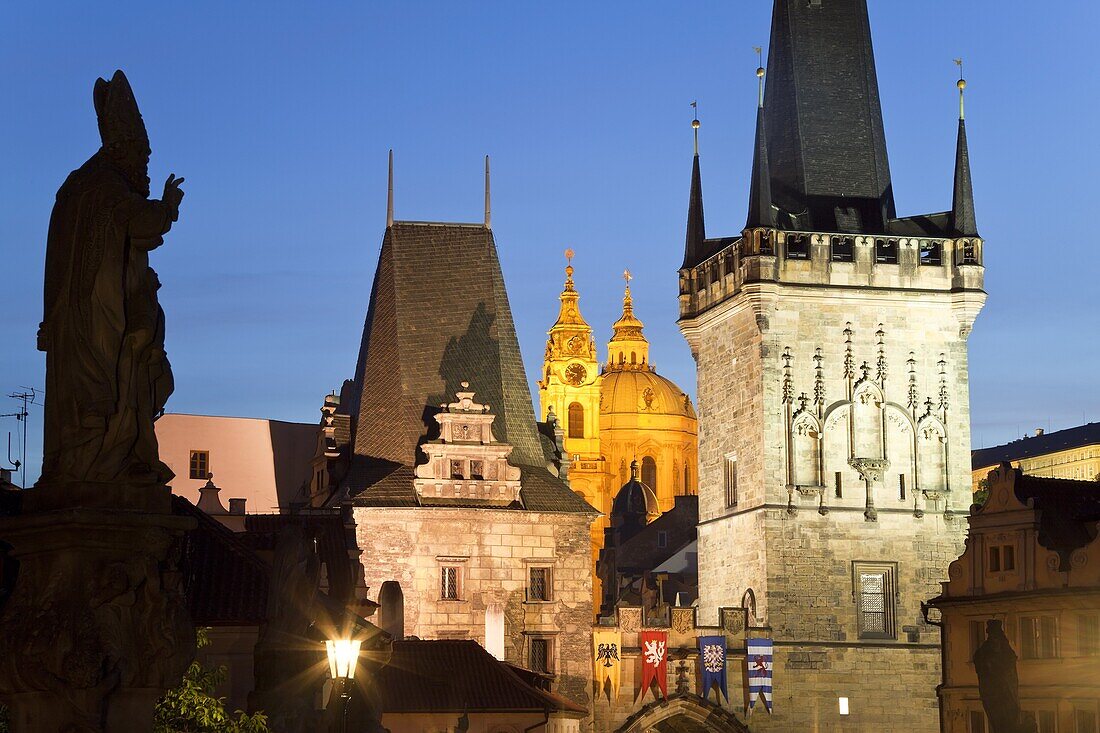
654,661
712,660
606,648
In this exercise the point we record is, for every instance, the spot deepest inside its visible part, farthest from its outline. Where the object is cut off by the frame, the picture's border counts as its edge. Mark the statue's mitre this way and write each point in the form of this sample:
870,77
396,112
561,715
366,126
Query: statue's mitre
117,111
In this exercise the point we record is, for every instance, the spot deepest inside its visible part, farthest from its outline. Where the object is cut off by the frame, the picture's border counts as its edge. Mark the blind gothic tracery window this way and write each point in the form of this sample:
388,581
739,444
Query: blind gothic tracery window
576,420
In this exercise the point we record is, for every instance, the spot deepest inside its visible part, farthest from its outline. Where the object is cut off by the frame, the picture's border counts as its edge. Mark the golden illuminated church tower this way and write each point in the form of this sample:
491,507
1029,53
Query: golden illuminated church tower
616,415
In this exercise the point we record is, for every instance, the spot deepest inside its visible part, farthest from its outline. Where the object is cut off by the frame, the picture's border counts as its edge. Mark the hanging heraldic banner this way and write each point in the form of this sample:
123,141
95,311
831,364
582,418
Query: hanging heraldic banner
758,657
654,661
606,648
712,659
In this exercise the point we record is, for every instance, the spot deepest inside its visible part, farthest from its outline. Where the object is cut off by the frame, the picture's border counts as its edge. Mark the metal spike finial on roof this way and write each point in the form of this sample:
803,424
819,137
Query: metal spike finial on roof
961,84
695,124
488,209
389,195
759,75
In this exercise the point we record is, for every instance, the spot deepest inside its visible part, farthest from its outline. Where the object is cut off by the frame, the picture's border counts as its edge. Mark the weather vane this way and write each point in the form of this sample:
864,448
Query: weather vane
628,277
695,123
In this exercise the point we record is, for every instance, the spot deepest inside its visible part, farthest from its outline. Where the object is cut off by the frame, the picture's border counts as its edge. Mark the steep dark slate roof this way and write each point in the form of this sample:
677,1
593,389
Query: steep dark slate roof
825,138
456,676
226,583
760,196
1038,445
962,201
438,316
695,241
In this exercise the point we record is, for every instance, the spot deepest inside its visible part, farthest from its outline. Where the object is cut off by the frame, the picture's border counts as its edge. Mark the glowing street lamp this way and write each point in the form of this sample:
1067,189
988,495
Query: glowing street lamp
343,656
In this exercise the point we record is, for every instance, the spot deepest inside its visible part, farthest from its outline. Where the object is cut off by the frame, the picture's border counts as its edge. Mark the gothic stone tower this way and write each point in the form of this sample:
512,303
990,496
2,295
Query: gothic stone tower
830,342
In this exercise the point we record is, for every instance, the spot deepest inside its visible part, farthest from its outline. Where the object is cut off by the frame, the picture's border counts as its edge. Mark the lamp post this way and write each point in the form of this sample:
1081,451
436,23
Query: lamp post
343,655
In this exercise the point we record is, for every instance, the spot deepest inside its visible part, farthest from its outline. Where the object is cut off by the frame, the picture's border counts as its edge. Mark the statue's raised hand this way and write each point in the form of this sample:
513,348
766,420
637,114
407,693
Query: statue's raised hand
172,192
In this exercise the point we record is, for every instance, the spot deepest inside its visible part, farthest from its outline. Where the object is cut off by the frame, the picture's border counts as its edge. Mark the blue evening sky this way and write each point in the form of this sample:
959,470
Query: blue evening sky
280,114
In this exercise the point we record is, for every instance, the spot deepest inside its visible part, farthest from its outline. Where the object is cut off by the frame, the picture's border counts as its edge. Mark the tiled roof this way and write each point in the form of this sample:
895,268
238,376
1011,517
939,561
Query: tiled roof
1037,445
456,676
225,582
438,316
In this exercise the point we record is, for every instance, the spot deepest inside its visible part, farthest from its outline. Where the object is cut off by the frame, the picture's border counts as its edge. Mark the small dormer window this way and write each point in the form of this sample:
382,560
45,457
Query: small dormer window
662,539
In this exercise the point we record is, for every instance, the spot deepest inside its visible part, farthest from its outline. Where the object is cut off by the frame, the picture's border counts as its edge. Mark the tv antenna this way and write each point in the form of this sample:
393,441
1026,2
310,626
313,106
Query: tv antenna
27,397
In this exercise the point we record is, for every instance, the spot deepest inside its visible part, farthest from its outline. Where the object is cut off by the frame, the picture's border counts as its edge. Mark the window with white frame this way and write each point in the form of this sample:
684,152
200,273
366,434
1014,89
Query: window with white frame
1046,721
1038,637
1088,634
875,590
450,582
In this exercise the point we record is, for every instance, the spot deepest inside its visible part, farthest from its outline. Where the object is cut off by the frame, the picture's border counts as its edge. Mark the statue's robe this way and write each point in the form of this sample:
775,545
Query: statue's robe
107,376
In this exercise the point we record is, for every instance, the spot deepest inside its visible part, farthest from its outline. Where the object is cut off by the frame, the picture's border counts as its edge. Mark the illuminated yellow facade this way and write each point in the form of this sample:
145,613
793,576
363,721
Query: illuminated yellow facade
614,415
1073,453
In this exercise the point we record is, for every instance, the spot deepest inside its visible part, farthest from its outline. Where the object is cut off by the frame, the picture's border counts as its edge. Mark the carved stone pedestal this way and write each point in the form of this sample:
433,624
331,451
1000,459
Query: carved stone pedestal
97,627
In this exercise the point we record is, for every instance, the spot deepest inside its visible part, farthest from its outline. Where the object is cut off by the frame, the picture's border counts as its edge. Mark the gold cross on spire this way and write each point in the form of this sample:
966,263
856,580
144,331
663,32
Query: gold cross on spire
628,277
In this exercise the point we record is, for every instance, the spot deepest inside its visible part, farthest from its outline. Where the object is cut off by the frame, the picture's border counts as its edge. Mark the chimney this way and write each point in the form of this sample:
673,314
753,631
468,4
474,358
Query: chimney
236,506
1038,432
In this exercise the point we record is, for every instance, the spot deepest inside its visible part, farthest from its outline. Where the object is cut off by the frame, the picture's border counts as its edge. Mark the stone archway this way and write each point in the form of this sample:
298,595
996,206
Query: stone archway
683,713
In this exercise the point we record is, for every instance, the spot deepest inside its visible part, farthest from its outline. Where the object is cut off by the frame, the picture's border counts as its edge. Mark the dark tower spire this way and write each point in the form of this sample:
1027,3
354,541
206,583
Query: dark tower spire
760,188
962,200
695,242
826,144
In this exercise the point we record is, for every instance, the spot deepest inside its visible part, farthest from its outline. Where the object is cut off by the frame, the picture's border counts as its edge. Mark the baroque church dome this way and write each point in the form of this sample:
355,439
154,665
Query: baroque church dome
635,500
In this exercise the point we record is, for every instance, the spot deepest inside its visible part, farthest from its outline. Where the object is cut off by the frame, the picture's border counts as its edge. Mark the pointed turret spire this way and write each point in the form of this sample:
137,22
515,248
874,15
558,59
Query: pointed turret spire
760,188
389,195
488,209
696,230
962,200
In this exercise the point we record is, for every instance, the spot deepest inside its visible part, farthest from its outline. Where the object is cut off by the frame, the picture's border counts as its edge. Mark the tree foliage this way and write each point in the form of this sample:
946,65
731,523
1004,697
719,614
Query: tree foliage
192,707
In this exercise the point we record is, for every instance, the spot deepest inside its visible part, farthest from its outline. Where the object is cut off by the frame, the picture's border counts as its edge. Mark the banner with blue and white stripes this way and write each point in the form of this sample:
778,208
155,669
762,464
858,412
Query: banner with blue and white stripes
758,657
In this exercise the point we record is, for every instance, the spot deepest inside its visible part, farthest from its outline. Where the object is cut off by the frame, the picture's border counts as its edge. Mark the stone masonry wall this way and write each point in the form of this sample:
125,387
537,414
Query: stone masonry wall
495,549
731,542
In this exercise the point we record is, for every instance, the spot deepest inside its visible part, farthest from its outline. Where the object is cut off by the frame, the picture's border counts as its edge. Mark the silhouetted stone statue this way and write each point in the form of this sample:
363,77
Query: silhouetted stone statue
107,376
998,683
97,628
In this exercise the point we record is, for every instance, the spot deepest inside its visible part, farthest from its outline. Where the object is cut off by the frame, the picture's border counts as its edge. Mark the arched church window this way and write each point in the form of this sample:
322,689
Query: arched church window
633,358
649,473
576,420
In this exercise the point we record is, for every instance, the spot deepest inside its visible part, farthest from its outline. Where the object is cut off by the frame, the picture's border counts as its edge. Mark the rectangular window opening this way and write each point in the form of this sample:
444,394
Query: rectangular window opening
1088,634
901,486
540,655
730,479
539,587
839,479
448,583
843,249
1008,557
876,594
931,253
200,464
798,246
1038,637
994,559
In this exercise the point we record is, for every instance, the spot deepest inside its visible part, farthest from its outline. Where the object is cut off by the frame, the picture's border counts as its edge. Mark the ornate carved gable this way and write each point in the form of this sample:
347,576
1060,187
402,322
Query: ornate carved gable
466,464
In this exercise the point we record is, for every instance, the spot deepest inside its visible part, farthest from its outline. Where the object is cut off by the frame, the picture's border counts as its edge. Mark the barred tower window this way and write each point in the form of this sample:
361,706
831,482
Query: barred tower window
576,420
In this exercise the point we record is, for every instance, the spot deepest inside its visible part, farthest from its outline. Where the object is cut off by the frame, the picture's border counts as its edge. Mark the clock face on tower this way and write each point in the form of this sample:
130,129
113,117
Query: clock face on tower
575,344
575,374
